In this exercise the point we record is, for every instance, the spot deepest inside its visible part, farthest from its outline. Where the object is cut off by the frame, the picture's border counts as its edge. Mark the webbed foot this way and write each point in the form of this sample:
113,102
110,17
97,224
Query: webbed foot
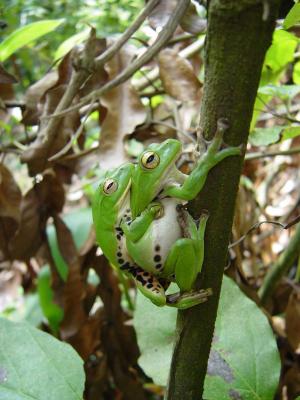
186,300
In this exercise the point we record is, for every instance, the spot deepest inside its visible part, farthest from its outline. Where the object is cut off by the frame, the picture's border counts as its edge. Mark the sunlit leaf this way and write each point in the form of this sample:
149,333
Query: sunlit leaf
290,132
34,365
25,35
296,73
265,136
283,91
244,361
69,43
293,16
51,310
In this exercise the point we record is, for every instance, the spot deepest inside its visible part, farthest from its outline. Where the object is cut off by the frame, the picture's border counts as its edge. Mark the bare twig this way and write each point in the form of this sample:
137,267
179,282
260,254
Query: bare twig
127,73
255,156
112,50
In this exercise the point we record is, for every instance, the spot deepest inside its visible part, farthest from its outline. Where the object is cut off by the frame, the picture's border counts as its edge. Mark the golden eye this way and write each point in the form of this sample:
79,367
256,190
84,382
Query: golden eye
110,186
150,160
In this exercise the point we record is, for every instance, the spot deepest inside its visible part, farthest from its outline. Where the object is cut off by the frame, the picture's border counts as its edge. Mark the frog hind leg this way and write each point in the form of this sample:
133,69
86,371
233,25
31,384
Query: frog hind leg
186,259
148,285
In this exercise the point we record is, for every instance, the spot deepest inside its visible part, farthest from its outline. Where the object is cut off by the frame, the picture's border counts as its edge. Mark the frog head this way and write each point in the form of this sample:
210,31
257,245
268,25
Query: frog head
156,167
111,196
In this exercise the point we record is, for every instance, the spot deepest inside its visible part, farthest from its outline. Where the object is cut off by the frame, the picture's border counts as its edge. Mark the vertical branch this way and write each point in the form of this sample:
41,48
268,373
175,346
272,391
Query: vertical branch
239,33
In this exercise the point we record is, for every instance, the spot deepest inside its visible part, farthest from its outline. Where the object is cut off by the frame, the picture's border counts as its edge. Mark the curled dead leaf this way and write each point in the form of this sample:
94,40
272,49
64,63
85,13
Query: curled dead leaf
178,77
124,112
292,317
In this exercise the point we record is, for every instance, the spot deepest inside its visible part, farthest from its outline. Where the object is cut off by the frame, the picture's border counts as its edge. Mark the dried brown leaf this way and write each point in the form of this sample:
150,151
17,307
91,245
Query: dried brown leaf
6,77
45,198
124,112
178,77
10,195
161,13
191,22
34,95
292,317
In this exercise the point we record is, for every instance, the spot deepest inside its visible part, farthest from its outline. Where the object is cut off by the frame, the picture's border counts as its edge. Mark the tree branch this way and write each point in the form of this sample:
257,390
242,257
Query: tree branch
284,263
237,40
127,73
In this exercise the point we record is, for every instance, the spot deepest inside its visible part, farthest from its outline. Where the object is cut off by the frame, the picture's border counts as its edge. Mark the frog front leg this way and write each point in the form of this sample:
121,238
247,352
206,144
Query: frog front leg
195,181
185,261
136,229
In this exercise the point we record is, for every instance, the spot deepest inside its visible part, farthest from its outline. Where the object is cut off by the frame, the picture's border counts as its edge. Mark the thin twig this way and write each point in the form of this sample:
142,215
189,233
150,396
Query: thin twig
255,156
115,47
127,73
74,137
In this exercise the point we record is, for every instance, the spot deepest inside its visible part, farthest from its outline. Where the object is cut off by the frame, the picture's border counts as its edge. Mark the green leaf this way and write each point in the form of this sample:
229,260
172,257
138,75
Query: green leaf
281,51
34,365
79,222
51,310
69,43
293,16
296,73
290,132
25,35
265,136
244,361
283,91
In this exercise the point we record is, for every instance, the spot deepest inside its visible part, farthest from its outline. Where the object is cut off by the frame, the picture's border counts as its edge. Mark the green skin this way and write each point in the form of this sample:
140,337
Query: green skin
109,210
183,259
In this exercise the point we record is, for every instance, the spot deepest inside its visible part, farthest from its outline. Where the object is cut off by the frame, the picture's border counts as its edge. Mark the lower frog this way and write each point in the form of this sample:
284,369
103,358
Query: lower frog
110,207
171,249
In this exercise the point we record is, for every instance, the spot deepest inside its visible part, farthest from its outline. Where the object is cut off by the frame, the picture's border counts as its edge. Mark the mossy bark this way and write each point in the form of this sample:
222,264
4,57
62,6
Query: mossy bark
239,33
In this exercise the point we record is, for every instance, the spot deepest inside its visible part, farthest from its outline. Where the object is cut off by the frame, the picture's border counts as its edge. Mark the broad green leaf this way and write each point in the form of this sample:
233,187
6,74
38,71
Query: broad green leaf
34,365
280,53
51,310
79,222
25,35
283,91
244,361
69,43
296,73
293,16
290,132
265,136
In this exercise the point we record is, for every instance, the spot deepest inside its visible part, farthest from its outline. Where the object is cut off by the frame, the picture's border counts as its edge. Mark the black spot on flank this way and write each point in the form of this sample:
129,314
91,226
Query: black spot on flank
118,229
129,222
157,247
120,261
128,211
119,237
146,274
157,258
150,280
126,265
149,285
140,279
158,266
125,215
119,254
128,219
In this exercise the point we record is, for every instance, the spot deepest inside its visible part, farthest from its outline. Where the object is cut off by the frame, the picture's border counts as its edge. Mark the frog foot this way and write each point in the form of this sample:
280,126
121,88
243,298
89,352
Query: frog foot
186,300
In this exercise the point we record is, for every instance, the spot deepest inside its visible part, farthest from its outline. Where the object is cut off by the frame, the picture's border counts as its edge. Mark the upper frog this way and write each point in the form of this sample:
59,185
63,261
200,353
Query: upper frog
156,169
156,174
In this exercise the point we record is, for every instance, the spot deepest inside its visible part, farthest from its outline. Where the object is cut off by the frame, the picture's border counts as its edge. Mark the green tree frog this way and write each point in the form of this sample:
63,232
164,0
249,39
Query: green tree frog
156,174
111,207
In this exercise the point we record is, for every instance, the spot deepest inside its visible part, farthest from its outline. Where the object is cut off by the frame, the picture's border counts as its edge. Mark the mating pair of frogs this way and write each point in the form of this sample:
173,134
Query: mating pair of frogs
143,228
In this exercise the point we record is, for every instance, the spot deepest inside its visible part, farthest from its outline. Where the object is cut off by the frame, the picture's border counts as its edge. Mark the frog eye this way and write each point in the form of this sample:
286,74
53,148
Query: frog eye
110,186
150,160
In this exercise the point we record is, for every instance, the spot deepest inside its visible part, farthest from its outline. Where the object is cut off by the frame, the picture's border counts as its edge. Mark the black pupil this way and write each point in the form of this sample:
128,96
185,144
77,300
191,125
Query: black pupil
150,158
109,185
